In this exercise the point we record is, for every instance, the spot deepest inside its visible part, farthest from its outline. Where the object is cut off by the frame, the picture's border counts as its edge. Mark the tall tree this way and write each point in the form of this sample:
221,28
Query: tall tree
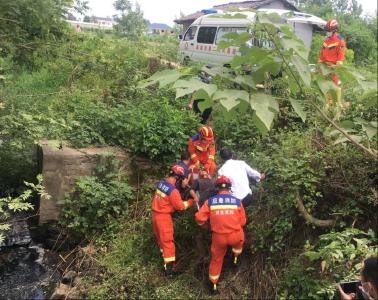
177,28
130,22
87,19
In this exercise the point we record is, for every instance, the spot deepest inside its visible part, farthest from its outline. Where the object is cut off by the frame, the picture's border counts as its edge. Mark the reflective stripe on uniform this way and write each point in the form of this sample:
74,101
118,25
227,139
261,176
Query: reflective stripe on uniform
186,204
216,207
237,250
333,45
193,156
199,148
339,62
214,277
169,259
211,156
200,224
160,193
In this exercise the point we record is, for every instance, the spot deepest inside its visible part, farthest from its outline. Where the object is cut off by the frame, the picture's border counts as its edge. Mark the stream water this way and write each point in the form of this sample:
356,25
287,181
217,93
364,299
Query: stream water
27,270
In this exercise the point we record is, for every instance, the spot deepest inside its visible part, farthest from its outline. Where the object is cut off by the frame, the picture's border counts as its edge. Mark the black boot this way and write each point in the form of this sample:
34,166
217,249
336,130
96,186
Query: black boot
212,287
236,262
170,270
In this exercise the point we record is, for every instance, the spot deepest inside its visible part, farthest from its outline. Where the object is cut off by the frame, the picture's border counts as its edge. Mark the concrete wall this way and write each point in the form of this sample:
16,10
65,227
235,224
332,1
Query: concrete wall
60,167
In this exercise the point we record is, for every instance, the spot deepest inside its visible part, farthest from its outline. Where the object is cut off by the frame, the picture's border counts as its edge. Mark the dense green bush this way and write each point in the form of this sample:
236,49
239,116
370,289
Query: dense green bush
96,204
336,257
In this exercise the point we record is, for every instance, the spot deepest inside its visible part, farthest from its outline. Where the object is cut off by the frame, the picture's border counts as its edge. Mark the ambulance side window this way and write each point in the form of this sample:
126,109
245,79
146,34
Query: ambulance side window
206,35
190,34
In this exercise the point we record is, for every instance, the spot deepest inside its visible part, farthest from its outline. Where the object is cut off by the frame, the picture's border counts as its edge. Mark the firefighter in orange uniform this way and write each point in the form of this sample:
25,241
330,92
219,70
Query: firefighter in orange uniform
167,199
202,150
333,50
227,218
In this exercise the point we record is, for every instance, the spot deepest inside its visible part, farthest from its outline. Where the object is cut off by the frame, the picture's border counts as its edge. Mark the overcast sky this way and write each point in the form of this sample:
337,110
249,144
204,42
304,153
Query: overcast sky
164,11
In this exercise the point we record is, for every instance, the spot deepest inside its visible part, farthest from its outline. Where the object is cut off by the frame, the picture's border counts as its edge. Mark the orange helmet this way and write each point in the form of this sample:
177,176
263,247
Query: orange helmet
224,181
331,25
177,170
206,133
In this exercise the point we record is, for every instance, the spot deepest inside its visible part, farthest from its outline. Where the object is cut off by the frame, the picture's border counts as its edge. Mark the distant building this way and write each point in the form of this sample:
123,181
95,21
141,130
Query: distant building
106,21
158,29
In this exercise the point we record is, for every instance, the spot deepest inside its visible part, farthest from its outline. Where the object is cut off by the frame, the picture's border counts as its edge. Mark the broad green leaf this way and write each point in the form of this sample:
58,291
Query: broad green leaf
371,102
202,94
244,80
298,109
243,106
259,124
237,61
290,43
184,87
369,130
301,66
343,139
258,56
229,115
374,123
164,78
327,85
224,45
221,71
366,85
360,121
372,77
346,124
259,75
288,30
293,85
262,104
231,98
370,97
240,40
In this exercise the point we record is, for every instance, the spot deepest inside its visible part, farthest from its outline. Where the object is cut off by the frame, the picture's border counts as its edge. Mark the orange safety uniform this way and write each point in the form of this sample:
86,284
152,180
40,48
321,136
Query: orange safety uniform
227,218
167,199
202,152
333,51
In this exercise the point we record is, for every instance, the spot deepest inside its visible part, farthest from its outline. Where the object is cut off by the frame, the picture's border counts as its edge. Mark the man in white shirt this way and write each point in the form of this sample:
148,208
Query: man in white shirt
238,172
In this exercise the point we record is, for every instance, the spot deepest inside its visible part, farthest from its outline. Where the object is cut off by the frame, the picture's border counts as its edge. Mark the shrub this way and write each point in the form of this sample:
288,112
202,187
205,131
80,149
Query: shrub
96,204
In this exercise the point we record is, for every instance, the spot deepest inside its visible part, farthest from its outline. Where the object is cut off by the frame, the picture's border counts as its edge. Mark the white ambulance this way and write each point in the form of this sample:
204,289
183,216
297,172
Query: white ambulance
199,43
